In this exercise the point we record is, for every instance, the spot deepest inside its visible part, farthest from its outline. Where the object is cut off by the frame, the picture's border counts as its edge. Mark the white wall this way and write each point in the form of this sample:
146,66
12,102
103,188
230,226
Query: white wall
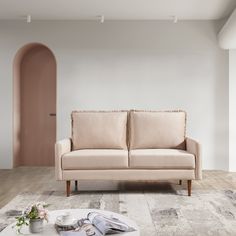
232,110
123,65
227,35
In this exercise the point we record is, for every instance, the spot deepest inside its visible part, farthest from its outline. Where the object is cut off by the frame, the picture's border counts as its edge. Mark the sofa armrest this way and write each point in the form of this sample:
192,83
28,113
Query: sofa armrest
194,147
61,147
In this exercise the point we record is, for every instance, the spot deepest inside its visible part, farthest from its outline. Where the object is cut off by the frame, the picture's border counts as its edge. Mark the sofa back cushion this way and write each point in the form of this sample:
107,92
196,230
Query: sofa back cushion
99,129
156,129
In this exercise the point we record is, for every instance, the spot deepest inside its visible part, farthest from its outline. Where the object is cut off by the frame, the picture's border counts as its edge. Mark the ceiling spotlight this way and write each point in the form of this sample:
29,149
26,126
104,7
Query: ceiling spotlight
175,19
28,19
102,18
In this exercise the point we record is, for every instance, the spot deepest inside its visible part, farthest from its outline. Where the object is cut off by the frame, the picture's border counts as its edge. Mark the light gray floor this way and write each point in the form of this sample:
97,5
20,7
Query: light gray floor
42,179
159,208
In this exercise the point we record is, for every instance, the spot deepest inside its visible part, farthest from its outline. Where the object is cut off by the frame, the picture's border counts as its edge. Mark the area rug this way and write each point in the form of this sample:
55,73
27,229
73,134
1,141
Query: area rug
163,214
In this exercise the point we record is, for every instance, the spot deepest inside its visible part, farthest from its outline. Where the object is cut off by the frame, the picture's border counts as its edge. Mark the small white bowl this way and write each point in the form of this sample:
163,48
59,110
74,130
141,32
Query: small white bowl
66,223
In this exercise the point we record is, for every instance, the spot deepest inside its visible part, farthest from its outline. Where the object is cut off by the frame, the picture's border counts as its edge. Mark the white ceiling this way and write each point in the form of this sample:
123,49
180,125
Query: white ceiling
116,9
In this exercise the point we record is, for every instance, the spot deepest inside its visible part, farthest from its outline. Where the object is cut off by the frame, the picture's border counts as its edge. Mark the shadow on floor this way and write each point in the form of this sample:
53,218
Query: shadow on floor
131,187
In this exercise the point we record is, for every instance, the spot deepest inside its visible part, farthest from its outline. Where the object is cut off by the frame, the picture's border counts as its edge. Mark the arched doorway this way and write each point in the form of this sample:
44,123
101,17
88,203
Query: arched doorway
34,79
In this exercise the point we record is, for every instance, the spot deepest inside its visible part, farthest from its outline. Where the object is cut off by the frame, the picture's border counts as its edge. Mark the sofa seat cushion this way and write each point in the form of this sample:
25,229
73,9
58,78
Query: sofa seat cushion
95,159
161,159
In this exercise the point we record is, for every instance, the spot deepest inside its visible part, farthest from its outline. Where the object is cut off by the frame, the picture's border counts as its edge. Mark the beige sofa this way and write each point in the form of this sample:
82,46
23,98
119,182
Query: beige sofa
128,145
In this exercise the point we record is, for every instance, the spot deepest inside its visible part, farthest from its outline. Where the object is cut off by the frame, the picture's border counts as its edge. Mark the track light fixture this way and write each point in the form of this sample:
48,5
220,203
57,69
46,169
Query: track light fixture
28,19
175,19
101,19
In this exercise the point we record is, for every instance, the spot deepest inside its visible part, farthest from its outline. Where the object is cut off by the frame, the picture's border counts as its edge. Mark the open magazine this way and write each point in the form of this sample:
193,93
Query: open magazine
96,224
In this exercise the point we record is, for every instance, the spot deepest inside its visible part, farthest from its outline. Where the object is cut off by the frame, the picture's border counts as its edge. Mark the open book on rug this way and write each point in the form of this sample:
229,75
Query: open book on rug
95,224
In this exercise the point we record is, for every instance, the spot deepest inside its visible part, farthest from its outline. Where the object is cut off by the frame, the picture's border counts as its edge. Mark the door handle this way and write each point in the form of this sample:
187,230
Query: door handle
52,114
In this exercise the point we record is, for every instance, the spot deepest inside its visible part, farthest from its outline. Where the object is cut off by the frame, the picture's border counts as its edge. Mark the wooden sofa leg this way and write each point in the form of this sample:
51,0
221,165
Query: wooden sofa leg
76,185
180,182
189,187
68,188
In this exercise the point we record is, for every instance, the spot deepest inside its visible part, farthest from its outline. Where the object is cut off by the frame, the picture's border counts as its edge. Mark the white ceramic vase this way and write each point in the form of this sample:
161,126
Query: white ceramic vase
36,225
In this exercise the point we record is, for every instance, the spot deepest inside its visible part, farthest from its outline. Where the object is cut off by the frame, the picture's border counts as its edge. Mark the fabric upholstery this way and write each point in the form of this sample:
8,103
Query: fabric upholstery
105,130
157,130
95,159
157,142
61,147
128,174
195,148
161,159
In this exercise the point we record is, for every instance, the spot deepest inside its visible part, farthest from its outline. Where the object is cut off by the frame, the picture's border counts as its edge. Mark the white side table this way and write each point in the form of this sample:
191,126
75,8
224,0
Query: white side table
49,228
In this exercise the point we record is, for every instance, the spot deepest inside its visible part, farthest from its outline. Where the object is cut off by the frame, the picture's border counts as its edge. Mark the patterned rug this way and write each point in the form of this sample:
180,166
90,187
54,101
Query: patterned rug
162,214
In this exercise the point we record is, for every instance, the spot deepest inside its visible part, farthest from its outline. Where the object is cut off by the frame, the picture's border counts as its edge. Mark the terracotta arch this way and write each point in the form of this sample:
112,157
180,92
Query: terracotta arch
34,106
